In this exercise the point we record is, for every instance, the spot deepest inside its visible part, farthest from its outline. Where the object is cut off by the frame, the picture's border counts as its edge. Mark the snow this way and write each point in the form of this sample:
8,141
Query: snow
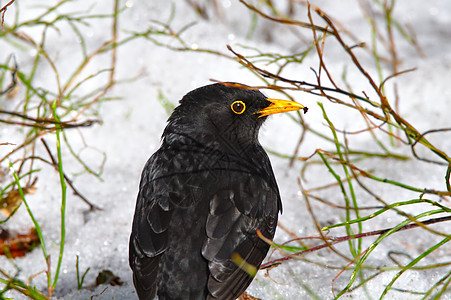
132,127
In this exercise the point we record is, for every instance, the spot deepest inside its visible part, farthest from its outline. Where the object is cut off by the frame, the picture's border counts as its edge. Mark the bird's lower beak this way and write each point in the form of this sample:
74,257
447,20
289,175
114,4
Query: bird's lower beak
280,106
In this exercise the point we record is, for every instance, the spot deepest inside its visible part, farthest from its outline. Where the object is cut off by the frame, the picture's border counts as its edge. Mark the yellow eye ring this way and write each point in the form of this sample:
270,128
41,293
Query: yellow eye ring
238,107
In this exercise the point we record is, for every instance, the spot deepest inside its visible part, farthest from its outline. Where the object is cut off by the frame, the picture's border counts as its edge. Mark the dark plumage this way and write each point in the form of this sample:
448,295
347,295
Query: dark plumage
203,195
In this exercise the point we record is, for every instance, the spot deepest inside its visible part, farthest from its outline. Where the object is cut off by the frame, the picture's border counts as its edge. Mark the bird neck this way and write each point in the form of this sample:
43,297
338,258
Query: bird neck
229,142
226,145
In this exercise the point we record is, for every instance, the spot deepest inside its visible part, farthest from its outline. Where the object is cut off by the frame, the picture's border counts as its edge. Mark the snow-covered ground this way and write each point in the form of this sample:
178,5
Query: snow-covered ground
132,127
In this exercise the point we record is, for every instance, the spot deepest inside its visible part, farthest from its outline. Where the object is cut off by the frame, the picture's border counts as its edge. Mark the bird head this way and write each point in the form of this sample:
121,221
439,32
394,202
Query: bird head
226,113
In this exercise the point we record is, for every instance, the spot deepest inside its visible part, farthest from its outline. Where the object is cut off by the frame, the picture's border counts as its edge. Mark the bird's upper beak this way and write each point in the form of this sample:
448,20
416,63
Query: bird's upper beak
280,106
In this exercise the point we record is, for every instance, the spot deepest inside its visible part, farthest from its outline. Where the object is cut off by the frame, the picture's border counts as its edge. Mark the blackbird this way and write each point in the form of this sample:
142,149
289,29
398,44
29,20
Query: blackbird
203,195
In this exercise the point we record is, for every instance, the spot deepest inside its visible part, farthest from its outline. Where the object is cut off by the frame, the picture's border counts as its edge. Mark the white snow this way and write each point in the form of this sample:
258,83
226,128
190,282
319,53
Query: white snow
132,127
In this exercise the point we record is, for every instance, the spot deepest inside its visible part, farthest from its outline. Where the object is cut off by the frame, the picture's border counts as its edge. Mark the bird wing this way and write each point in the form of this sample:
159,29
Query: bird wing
167,185
250,203
149,238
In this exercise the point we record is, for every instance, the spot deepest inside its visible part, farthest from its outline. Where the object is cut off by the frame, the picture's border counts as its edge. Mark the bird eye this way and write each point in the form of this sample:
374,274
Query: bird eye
238,107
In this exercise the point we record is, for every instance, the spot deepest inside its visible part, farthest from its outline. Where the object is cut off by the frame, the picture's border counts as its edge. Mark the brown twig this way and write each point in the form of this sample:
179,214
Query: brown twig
39,121
13,83
92,207
3,11
284,21
420,136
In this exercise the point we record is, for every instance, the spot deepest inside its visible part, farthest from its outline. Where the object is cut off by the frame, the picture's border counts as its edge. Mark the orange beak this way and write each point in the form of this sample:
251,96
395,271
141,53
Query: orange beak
280,106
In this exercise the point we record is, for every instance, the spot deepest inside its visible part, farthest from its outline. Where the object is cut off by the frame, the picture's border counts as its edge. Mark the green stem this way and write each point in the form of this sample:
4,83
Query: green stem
351,188
366,254
447,277
36,224
414,262
388,207
63,195
447,178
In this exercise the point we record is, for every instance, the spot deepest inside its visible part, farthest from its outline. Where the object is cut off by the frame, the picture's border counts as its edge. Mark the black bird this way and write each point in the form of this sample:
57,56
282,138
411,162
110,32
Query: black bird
203,195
